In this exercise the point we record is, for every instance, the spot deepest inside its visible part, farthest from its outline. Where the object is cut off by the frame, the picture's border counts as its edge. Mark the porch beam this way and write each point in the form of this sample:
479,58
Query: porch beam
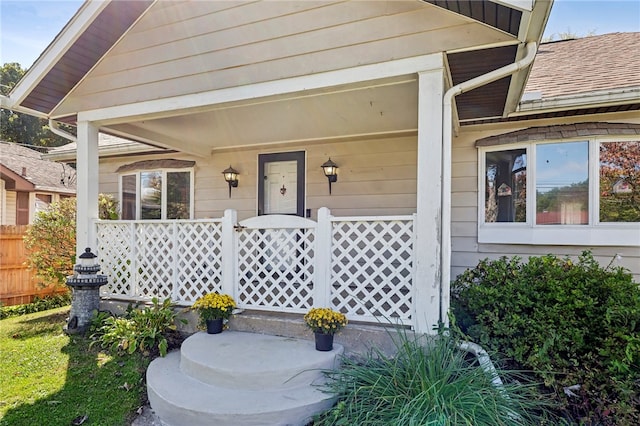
184,104
428,245
86,186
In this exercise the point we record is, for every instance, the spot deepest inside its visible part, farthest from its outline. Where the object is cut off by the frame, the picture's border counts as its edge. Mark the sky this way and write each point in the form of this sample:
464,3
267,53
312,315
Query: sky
28,26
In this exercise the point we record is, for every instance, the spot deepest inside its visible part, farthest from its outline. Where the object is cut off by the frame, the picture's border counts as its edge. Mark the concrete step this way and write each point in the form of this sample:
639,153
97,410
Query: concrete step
237,360
236,378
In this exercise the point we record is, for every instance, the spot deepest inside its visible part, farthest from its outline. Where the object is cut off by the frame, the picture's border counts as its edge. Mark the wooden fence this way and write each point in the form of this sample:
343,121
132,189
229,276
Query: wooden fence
18,285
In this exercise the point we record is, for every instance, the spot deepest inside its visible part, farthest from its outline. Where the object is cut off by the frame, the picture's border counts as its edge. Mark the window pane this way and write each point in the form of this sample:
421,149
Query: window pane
506,186
151,195
620,182
129,197
562,183
178,192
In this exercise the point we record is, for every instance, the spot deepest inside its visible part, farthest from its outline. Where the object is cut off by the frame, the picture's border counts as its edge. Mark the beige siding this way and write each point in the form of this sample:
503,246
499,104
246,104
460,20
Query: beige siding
466,252
10,203
376,177
203,46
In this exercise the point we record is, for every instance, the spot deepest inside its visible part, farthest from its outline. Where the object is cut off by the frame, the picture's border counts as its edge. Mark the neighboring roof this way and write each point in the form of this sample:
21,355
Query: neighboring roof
596,63
108,146
25,169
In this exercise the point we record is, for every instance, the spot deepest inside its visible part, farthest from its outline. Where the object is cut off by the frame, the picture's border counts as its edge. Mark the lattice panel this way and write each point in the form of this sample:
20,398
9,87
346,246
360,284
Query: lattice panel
199,260
275,269
114,250
155,260
371,268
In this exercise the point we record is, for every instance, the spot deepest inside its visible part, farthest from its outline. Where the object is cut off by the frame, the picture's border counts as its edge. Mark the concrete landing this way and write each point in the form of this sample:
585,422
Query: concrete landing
237,378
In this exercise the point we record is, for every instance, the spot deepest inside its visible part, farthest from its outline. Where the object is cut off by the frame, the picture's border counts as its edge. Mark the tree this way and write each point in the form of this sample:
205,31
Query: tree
23,128
51,240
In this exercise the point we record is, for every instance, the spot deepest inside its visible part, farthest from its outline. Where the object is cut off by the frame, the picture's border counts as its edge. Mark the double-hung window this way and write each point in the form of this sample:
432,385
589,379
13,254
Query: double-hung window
566,192
157,194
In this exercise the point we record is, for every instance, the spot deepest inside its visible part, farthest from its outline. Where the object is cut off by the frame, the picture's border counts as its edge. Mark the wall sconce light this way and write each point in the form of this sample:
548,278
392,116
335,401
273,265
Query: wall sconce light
231,177
330,171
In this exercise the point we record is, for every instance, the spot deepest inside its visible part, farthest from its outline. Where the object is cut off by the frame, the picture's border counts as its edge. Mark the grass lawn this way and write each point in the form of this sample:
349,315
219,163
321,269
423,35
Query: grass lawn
50,378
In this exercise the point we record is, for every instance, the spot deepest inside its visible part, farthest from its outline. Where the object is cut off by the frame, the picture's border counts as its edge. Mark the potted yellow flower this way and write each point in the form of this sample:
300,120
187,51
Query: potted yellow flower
213,309
324,322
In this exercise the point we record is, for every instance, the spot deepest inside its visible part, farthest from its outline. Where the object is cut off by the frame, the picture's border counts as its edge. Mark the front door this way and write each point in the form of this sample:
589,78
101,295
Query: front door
281,183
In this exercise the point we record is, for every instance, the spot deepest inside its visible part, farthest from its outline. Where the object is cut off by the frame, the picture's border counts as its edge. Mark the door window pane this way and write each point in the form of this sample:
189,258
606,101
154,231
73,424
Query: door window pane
178,203
129,197
506,186
151,195
620,181
562,183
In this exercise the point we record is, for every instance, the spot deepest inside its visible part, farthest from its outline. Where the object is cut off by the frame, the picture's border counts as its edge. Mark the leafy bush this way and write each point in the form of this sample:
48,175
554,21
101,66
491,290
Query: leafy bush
576,325
143,330
51,242
427,383
38,305
51,239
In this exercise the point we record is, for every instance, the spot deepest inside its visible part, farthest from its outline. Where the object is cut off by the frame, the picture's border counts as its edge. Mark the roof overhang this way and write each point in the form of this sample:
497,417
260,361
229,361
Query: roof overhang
98,25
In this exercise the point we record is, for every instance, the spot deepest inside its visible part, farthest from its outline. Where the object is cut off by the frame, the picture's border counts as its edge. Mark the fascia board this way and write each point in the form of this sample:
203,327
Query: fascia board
69,34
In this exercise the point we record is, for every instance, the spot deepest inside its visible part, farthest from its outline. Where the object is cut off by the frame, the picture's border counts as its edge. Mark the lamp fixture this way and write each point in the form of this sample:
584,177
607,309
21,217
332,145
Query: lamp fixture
330,171
231,177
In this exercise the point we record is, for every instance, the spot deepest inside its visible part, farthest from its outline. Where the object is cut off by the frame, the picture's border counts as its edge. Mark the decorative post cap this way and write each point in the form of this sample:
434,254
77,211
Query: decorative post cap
87,254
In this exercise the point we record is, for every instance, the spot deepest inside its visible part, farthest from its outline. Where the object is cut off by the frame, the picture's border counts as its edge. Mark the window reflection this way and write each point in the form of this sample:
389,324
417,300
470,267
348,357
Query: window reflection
562,183
506,186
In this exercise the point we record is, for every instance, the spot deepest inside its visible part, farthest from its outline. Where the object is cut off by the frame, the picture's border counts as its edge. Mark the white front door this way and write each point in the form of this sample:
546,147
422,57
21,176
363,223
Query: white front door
280,187
281,178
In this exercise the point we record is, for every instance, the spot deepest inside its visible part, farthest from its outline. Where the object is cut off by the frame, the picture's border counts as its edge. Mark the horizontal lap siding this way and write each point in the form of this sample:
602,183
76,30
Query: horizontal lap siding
375,177
467,252
207,46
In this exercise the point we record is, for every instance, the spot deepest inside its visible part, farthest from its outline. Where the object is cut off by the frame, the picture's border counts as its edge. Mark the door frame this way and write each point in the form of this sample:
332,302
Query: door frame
299,157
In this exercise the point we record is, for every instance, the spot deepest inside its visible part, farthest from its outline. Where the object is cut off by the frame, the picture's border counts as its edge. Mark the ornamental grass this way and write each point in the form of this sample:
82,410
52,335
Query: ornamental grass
325,320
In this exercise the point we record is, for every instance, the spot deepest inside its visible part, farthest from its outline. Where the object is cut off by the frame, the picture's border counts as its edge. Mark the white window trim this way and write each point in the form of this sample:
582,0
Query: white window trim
595,233
163,205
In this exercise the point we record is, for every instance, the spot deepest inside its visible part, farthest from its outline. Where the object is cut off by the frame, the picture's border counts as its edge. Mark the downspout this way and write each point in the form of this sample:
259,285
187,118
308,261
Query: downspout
53,126
447,123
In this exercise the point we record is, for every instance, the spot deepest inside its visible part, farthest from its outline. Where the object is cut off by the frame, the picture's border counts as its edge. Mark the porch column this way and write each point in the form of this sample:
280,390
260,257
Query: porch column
86,186
428,274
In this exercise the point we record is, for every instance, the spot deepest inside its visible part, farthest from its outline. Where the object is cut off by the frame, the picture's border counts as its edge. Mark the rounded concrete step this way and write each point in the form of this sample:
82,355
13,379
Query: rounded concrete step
181,400
238,360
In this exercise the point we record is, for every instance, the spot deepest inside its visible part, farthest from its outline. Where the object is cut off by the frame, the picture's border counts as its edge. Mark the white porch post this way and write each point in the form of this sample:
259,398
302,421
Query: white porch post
86,186
229,253
427,250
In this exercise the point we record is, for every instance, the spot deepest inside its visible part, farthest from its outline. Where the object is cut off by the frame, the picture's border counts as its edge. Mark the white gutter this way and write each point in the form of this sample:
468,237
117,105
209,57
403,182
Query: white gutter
54,127
447,123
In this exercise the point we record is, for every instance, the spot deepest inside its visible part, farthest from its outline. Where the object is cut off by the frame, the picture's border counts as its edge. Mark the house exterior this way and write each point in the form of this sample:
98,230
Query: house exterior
407,98
29,183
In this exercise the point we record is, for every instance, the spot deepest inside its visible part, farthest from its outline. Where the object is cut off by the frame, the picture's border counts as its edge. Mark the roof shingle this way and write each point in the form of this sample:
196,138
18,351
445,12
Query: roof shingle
570,67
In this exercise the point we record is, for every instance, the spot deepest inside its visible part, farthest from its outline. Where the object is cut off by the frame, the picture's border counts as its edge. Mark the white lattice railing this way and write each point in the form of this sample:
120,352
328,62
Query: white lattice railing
362,266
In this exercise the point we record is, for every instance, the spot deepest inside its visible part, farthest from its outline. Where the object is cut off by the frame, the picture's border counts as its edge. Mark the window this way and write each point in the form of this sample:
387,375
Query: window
561,192
156,194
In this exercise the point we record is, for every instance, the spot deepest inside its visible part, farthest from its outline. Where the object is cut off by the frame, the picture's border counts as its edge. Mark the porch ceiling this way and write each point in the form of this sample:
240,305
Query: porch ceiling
381,107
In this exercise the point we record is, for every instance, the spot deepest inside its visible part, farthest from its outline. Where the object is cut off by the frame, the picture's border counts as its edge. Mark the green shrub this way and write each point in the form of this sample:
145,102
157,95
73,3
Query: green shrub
142,330
571,323
38,305
427,383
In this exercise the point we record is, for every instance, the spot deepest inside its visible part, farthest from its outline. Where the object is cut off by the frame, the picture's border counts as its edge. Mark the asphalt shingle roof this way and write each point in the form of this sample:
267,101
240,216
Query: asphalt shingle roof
570,67
45,175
